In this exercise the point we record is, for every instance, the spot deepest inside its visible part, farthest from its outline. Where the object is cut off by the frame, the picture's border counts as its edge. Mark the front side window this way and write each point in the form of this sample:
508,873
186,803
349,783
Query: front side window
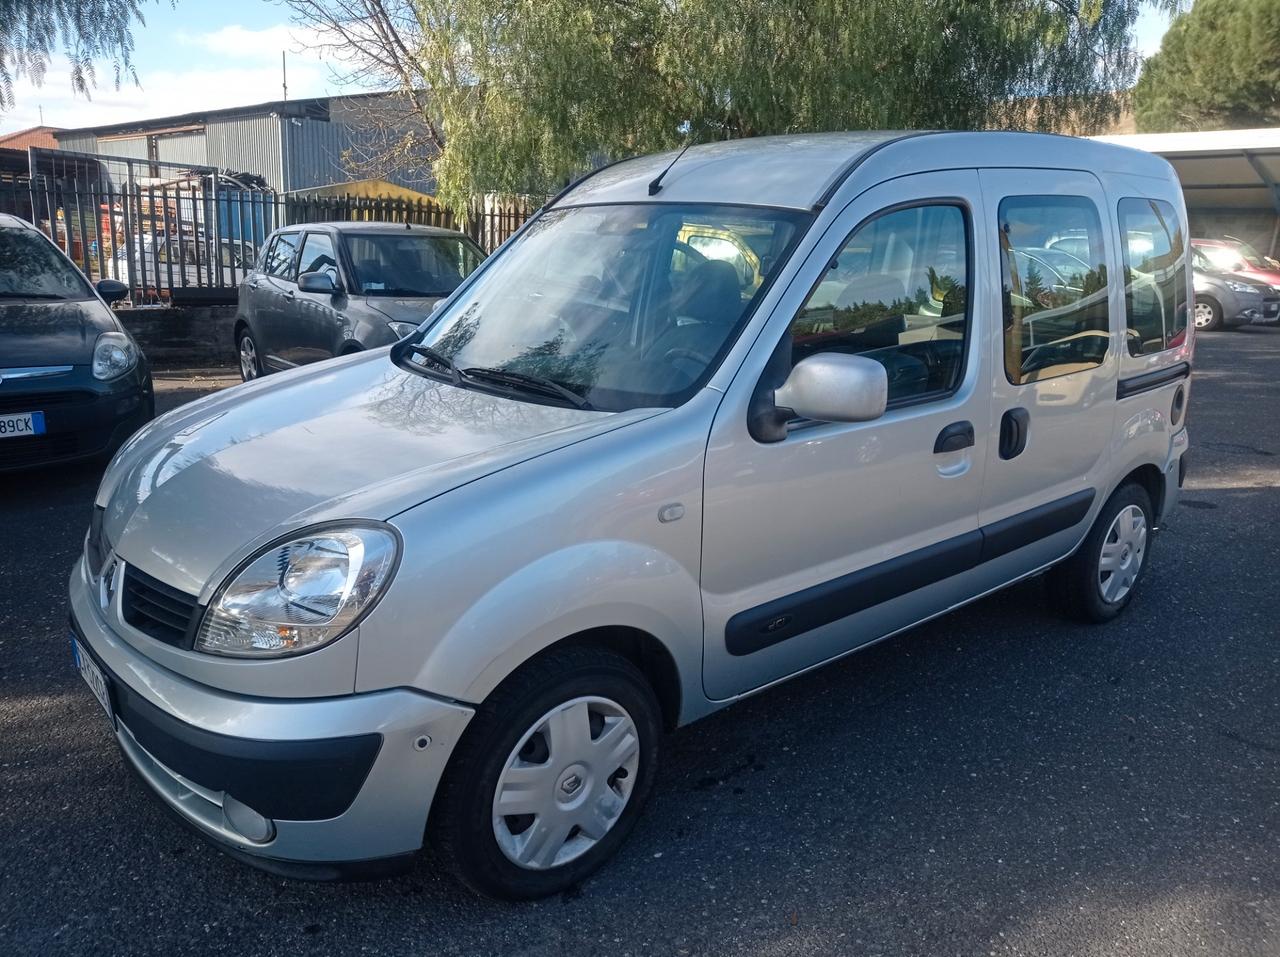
1053,266
611,304
34,269
280,256
410,264
318,256
897,293
1155,275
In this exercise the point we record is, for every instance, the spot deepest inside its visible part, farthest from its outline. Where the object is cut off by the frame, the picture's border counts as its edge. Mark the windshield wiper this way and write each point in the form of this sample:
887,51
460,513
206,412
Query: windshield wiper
31,295
439,358
529,382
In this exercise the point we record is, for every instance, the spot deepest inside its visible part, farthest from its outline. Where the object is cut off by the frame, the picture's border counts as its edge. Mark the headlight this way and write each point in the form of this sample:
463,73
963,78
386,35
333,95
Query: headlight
114,354
300,594
402,329
1242,287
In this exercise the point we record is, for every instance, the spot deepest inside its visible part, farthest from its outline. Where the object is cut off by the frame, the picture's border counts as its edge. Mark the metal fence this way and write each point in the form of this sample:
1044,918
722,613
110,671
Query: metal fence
193,241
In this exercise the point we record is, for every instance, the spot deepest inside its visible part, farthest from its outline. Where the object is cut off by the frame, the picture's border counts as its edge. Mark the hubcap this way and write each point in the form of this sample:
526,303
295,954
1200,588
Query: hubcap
248,359
1122,552
1204,314
566,783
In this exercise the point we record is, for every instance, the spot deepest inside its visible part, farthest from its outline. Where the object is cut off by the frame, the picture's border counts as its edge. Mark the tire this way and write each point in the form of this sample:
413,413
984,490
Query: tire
1080,587
249,355
1208,314
512,741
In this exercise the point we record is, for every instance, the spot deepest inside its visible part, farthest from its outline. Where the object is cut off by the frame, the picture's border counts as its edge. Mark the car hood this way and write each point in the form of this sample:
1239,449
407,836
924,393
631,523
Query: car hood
45,333
355,438
404,310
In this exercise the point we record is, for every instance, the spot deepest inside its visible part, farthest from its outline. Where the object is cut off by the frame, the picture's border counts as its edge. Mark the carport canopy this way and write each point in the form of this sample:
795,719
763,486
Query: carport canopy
1219,169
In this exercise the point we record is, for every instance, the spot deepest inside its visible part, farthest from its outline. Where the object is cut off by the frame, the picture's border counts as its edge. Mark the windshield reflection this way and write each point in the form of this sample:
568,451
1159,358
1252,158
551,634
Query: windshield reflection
625,306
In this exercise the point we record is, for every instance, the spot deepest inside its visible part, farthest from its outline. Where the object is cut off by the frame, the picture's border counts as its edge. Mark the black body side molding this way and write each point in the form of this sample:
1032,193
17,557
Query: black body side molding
783,618
1136,384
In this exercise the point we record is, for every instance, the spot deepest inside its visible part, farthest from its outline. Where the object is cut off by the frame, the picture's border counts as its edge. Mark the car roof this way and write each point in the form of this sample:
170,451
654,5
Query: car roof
14,222
370,227
803,171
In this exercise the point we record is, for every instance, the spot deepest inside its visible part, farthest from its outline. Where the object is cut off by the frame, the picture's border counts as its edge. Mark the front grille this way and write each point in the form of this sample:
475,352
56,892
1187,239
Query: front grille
33,450
156,609
39,401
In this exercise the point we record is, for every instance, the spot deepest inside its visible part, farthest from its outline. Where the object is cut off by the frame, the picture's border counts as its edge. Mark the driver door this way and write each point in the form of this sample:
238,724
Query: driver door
844,532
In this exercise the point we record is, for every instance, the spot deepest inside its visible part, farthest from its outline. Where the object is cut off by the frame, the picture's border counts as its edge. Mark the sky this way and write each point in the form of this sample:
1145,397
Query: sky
197,54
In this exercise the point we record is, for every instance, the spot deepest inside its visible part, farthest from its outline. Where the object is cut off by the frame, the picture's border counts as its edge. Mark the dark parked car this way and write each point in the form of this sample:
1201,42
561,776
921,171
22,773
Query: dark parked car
328,289
1229,299
73,383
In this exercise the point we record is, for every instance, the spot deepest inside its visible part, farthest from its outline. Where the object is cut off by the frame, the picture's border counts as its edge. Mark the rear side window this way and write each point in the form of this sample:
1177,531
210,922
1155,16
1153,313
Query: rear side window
280,256
1053,266
318,255
1155,275
896,293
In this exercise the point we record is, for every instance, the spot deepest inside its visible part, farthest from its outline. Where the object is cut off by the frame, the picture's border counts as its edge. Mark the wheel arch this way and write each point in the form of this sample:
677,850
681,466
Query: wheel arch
1152,481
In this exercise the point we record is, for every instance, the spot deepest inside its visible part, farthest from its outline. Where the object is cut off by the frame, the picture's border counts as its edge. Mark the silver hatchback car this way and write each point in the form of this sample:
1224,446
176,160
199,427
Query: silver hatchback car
706,422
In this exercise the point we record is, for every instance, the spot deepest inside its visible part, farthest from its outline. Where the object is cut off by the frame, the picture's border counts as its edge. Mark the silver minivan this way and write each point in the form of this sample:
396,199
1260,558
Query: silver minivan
707,421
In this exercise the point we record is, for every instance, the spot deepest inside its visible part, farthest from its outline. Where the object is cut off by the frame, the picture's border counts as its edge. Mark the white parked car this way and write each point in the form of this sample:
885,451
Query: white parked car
456,589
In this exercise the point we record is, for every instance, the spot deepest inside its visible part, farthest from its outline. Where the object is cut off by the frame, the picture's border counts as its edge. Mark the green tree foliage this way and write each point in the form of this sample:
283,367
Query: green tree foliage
86,31
1217,68
530,92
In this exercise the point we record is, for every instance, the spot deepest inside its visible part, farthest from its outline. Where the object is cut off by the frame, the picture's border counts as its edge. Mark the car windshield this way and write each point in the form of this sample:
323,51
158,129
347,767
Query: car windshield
410,264
33,269
1233,258
614,303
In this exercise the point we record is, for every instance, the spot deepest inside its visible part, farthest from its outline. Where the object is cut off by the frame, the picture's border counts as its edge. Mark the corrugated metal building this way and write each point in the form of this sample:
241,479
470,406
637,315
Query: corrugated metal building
293,144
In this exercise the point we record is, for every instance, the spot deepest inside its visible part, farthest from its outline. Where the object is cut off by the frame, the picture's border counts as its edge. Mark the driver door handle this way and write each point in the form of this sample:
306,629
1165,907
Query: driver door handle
956,436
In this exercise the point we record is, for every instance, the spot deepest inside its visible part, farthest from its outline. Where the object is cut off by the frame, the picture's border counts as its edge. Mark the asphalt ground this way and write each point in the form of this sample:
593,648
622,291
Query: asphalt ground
995,782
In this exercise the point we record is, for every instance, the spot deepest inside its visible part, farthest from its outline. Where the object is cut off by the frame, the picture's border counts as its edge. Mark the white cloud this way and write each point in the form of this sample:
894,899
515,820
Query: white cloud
232,66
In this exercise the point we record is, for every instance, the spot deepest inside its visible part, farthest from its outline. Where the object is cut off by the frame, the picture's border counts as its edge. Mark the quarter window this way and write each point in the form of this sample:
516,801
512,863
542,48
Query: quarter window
280,257
897,293
1053,265
1155,275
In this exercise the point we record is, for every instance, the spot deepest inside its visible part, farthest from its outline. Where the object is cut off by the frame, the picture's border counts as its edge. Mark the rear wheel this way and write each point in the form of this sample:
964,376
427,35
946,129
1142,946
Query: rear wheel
550,775
1098,581
250,361
1208,314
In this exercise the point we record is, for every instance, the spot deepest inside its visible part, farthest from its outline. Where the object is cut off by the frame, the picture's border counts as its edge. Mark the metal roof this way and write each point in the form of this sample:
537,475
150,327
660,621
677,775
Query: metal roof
310,106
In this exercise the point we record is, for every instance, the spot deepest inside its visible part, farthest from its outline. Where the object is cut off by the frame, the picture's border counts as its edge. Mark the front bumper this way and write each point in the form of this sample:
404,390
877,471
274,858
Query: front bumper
321,781
84,417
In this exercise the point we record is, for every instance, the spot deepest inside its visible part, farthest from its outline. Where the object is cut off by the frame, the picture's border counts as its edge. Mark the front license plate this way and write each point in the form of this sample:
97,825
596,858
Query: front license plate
14,425
92,675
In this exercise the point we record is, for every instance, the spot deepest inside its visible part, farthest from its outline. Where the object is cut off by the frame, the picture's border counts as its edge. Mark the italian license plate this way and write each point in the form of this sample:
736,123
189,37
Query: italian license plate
15,425
92,675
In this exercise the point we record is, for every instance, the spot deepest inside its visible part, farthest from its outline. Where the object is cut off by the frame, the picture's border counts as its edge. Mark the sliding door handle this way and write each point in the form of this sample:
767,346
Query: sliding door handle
956,436
1014,427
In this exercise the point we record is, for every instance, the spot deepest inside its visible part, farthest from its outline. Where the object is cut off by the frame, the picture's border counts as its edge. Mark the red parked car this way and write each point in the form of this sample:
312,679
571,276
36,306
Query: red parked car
1236,256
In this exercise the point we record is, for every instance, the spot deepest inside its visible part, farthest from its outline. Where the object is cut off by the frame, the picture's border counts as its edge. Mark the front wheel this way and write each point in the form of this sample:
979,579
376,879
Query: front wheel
1208,314
550,775
1098,581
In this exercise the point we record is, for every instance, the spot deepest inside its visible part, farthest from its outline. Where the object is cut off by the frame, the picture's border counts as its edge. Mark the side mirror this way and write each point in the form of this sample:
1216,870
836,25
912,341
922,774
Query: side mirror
112,290
827,387
321,282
